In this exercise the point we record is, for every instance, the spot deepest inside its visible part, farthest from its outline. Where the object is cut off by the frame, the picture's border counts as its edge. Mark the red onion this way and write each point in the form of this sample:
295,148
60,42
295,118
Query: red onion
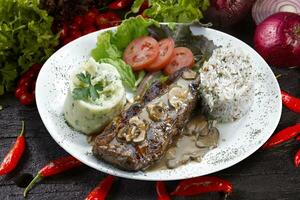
277,39
264,8
224,13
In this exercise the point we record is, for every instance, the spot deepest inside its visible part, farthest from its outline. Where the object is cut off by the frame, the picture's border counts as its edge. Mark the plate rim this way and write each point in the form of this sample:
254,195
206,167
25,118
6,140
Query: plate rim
134,175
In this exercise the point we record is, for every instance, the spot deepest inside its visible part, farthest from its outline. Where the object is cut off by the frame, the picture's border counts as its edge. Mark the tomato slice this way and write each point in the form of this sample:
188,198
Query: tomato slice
182,57
141,52
166,48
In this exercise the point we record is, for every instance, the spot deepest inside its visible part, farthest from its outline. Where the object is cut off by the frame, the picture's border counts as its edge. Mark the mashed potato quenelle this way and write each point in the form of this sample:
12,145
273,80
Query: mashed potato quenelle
227,84
95,97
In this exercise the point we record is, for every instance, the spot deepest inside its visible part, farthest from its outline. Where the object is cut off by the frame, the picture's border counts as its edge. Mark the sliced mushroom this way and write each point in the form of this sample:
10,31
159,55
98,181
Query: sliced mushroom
210,140
157,111
197,125
137,129
177,97
189,75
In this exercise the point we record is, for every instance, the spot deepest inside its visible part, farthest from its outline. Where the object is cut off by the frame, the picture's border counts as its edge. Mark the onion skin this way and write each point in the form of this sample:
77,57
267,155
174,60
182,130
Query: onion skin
277,39
224,13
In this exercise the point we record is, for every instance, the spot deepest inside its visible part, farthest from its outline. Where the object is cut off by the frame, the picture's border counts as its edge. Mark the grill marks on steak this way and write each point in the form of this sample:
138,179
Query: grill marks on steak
133,156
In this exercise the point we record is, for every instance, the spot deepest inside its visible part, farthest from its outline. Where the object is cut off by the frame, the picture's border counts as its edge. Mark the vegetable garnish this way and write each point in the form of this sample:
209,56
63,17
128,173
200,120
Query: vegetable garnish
173,10
110,47
26,38
53,168
1,107
88,90
12,159
182,35
264,8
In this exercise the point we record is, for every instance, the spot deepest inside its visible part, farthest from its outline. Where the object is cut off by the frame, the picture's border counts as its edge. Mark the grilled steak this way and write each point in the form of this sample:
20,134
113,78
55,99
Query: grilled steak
143,132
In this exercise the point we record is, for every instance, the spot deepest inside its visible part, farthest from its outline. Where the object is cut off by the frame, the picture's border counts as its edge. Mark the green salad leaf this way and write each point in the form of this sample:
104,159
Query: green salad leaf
182,11
110,47
25,38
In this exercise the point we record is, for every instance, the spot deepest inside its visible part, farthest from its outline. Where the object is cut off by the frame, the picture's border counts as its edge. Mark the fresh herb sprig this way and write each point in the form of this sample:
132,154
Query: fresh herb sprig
88,90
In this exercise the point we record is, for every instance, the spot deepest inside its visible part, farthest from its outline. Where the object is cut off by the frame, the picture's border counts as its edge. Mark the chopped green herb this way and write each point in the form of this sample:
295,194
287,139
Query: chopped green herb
89,91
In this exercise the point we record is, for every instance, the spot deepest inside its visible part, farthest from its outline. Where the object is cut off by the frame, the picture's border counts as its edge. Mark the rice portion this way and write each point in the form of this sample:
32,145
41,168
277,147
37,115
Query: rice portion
227,84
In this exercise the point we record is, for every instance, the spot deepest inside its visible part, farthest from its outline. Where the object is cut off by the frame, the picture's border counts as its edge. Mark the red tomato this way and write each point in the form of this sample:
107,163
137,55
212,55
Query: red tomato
20,91
74,27
90,17
182,57
166,48
27,98
89,29
75,34
107,20
141,52
78,20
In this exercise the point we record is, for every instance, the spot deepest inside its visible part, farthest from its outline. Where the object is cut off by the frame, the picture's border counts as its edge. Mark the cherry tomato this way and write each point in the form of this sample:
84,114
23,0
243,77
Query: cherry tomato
25,81
75,34
36,67
78,20
141,52
90,17
64,32
108,19
74,27
182,57
20,91
27,99
68,40
166,48
89,29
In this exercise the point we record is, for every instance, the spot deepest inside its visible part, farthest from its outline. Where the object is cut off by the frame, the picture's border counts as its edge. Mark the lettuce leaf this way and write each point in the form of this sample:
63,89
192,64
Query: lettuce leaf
110,47
25,38
182,11
105,48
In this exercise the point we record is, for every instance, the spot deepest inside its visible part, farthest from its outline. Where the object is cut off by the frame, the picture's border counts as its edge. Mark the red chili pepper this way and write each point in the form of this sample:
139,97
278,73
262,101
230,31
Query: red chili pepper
100,192
53,168
120,4
161,190
291,102
282,136
297,159
200,185
298,138
12,159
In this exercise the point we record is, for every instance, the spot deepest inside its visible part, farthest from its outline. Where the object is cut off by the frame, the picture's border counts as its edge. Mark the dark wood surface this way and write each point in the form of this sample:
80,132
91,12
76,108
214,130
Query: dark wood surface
265,175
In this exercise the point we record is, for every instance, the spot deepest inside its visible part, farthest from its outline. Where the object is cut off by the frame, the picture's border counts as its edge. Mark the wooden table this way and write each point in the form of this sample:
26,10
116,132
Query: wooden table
265,175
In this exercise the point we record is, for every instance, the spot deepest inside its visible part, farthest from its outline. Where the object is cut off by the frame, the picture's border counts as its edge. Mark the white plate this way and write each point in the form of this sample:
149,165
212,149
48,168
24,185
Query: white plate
238,140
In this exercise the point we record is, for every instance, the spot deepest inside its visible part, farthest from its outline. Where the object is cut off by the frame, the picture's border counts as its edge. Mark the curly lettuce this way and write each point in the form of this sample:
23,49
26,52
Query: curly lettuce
25,38
182,11
110,47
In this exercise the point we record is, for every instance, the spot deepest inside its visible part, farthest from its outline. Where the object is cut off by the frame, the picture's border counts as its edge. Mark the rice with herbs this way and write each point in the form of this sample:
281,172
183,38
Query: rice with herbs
227,84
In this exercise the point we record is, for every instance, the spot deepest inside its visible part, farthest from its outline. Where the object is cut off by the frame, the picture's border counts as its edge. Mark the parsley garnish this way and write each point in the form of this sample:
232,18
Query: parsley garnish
90,90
